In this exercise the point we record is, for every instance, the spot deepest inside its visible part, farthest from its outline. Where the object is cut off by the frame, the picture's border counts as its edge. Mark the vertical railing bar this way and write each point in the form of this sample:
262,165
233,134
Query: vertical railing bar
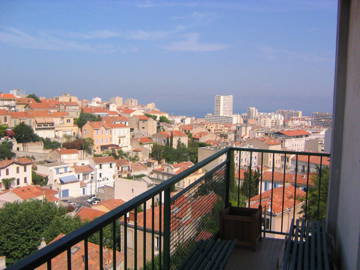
238,193
135,237
283,195
101,257
125,241
48,263
295,184
160,230
86,251
229,156
319,193
250,179
307,187
261,179
114,242
272,189
152,234
144,236
69,258
261,182
167,222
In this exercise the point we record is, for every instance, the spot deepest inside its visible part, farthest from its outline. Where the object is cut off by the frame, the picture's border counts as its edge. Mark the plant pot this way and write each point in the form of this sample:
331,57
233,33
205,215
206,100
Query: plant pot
242,224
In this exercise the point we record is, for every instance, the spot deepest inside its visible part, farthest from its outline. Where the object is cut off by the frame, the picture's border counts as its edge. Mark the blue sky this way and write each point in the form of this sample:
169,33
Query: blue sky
178,53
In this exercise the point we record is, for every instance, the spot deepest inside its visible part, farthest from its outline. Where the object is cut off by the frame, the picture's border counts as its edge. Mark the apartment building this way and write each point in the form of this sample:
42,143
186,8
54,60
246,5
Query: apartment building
7,102
20,170
173,138
293,140
143,125
105,171
223,105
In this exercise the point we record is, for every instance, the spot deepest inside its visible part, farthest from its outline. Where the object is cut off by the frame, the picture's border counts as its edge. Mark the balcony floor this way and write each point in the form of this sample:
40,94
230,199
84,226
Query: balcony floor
265,257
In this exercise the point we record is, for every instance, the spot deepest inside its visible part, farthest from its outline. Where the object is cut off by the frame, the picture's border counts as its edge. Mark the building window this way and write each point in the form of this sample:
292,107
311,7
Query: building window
100,166
7,171
17,169
100,175
111,165
17,181
67,120
25,168
25,180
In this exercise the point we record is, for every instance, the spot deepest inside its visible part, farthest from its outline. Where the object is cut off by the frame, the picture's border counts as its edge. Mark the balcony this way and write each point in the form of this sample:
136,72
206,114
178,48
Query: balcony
160,228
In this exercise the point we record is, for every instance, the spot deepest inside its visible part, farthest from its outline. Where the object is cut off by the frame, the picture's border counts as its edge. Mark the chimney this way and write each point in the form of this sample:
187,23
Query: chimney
2,262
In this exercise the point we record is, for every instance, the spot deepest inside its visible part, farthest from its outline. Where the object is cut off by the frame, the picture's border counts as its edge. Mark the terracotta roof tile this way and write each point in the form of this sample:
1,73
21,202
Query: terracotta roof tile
294,133
101,160
277,194
89,214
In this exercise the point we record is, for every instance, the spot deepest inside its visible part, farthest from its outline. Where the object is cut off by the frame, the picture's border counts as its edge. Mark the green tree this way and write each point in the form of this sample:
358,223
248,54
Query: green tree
85,117
38,179
250,186
80,144
7,182
2,130
23,225
25,133
6,150
49,144
164,119
61,224
151,116
34,97
317,195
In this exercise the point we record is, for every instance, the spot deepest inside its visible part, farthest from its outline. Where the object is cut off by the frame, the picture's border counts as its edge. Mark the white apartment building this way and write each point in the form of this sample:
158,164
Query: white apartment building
223,105
18,169
252,113
105,171
120,135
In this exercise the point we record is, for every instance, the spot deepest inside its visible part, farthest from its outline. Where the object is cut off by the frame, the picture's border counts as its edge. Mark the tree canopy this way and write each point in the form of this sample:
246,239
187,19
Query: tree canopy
151,116
317,195
25,133
34,97
38,179
80,144
49,144
164,119
2,130
24,224
85,117
6,150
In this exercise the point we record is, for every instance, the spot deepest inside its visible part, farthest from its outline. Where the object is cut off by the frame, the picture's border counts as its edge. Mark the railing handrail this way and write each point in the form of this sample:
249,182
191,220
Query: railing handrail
61,245
42,256
280,152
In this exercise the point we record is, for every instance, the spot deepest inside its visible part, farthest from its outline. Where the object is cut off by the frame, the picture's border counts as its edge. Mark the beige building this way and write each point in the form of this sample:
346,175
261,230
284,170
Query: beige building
143,125
19,169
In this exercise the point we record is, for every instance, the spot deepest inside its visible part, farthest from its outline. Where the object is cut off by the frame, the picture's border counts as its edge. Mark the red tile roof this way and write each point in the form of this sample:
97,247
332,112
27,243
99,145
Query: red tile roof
33,192
111,204
314,160
6,96
20,161
289,196
294,133
64,151
177,133
145,140
89,214
77,257
83,169
269,141
101,160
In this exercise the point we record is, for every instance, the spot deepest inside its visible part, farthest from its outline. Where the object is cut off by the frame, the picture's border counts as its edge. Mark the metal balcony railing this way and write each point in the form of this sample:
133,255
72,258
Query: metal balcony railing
159,228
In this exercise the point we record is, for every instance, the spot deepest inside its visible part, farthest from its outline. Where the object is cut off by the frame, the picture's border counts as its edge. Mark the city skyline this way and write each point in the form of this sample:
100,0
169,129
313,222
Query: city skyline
194,51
